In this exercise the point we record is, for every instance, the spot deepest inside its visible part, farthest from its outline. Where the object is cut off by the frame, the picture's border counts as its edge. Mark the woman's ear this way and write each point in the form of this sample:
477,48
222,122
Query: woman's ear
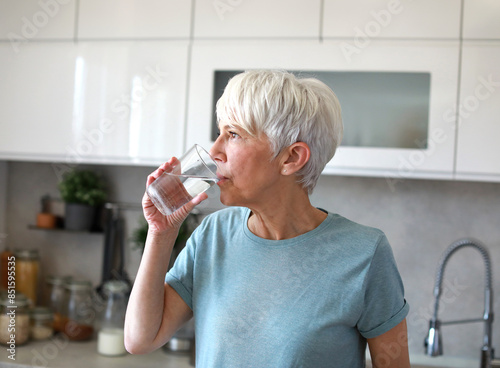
297,155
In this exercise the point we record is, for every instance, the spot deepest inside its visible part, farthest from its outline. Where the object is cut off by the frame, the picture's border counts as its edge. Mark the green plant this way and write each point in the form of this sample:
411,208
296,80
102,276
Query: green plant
140,234
83,187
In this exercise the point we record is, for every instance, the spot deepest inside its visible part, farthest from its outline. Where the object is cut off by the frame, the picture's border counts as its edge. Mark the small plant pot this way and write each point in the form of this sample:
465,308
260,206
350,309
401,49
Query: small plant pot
46,220
79,216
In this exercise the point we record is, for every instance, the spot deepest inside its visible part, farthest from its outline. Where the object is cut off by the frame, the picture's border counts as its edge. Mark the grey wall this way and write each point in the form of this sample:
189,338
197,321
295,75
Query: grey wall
420,217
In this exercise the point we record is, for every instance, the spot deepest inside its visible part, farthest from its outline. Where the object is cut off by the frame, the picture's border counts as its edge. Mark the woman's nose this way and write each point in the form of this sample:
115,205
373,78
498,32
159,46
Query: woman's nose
216,150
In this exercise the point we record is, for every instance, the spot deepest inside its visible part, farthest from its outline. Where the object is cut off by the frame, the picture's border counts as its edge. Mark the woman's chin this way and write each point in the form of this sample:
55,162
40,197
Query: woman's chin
229,200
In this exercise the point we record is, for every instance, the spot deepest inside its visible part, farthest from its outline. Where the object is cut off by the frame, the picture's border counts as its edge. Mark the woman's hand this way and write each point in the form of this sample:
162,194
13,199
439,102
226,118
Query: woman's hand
158,222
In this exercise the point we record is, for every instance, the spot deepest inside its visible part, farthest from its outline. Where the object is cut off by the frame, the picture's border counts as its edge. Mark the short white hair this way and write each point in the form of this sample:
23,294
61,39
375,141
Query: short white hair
286,109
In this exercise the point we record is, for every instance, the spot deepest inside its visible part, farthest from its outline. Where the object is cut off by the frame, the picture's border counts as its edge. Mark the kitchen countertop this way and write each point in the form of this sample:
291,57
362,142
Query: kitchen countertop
59,353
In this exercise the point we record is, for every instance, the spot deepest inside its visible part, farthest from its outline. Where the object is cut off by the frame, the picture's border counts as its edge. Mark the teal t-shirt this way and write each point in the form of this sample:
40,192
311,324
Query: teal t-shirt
310,301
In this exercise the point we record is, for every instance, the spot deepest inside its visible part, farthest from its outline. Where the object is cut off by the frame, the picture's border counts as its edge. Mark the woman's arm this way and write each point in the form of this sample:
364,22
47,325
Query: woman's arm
155,310
390,350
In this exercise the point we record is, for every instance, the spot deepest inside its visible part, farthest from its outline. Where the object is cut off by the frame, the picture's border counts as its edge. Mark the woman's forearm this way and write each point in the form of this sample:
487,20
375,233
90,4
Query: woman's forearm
146,305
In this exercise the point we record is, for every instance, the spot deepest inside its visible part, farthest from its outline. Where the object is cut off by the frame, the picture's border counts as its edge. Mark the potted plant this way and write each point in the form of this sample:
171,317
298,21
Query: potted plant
83,192
190,223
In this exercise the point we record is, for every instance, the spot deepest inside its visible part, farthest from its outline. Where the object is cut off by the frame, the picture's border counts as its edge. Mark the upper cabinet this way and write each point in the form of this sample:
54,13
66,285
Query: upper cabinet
134,19
481,19
364,20
131,94
257,19
31,20
93,102
395,98
36,96
124,81
478,108
479,112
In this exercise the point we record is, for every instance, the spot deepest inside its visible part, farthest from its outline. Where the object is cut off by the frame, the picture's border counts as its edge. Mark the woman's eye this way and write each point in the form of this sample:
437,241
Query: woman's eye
233,134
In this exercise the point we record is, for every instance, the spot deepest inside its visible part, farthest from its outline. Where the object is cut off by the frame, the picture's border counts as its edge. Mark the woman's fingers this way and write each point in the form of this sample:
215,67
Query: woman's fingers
165,167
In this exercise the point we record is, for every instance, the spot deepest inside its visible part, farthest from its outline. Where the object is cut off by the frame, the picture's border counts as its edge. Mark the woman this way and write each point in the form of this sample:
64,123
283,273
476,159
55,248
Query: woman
272,281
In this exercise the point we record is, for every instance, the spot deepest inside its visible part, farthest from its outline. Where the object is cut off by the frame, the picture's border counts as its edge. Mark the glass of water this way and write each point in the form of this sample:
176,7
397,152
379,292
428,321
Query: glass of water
195,173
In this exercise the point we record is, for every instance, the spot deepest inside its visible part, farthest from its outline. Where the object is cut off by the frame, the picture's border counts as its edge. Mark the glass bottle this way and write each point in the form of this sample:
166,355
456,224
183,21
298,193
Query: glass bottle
27,269
55,298
14,319
5,257
111,335
42,320
78,315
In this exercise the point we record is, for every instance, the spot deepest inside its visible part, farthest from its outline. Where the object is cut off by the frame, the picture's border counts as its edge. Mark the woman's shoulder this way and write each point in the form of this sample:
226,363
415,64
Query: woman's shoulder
355,232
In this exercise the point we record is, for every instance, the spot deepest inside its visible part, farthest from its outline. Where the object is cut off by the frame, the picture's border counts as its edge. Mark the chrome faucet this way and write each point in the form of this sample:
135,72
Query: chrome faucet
433,343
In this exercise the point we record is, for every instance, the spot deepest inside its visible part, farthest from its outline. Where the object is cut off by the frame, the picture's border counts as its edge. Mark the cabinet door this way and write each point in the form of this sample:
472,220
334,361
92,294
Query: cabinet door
27,20
431,157
36,96
481,19
257,19
129,100
93,102
478,150
363,20
134,19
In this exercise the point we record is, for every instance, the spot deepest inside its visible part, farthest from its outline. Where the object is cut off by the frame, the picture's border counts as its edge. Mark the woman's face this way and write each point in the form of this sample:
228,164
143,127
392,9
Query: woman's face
247,171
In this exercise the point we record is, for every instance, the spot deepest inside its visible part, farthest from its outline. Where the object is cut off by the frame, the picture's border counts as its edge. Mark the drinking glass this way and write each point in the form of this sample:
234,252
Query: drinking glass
194,174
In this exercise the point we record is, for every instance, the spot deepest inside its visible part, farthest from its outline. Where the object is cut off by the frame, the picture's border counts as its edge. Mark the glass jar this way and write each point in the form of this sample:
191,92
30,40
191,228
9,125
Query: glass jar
110,337
55,298
14,319
27,269
78,315
42,320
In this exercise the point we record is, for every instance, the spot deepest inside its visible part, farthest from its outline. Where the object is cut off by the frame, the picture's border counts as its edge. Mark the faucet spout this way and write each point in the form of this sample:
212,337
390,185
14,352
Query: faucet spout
433,343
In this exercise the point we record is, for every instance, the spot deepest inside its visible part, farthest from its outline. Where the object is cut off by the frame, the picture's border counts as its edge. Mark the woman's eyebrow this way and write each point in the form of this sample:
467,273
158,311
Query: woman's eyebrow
227,127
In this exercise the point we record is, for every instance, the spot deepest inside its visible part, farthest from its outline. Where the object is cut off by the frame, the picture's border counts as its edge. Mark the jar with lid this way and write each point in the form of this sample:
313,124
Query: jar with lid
14,319
54,298
42,320
110,337
27,269
78,315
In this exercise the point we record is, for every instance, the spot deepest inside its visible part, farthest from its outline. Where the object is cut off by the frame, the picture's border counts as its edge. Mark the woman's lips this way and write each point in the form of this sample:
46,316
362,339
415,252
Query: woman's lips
222,178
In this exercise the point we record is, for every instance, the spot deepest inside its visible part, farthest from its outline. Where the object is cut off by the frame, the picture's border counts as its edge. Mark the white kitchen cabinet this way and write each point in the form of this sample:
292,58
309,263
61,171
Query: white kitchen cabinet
134,94
257,19
478,150
134,19
31,20
364,20
93,102
36,94
481,19
431,157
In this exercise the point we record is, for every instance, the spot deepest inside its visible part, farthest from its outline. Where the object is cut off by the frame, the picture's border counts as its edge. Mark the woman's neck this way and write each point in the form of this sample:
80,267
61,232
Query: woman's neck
278,221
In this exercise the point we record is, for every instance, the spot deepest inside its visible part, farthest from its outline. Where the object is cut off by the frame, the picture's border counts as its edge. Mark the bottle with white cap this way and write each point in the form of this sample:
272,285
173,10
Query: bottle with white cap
111,334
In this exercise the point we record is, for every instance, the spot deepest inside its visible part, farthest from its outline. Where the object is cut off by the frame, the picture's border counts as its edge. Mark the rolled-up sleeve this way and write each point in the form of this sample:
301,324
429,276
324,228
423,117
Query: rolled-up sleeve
384,303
